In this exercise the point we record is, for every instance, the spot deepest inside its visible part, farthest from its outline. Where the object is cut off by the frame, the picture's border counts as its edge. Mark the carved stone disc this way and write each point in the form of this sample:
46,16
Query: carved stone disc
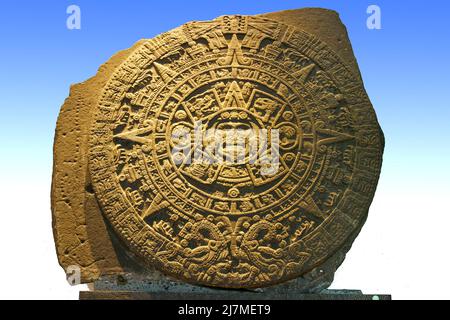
233,224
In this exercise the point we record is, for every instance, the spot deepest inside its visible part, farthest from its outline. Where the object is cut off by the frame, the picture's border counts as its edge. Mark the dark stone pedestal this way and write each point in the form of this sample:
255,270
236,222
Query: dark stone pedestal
159,287
230,295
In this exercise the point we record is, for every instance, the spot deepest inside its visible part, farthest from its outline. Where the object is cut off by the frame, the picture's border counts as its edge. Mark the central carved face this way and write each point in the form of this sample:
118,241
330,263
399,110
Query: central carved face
222,223
235,136
229,138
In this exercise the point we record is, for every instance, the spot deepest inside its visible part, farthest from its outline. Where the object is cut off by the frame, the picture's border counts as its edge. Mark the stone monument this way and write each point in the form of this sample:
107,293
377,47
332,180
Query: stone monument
146,195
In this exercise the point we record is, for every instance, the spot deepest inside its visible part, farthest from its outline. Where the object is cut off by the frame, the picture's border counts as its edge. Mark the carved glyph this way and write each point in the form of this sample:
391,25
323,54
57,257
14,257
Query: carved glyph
230,224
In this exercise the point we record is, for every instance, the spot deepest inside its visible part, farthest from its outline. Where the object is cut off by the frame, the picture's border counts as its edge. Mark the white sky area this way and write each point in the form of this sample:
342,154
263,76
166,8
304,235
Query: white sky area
402,249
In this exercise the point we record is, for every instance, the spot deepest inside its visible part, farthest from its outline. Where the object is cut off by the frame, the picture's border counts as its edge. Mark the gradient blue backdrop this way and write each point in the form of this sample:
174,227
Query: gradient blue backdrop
406,72
405,67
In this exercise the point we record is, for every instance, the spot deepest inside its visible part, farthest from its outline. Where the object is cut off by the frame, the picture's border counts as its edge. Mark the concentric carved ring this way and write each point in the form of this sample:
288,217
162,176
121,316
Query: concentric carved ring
235,223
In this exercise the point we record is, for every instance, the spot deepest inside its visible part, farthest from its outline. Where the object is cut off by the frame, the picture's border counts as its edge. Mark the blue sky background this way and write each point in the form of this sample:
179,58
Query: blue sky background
405,67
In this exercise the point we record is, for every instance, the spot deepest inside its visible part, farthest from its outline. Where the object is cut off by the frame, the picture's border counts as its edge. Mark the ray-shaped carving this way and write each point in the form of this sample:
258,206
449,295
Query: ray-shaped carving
234,97
164,72
304,73
310,206
327,136
157,204
136,135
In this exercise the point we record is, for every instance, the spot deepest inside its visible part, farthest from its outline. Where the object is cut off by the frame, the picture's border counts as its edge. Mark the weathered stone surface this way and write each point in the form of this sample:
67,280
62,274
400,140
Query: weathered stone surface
324,24
81,235
349,131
